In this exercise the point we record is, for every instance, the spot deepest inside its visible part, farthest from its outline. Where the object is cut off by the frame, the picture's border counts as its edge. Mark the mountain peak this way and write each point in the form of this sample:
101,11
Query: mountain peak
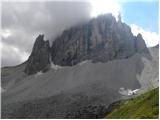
140,44
139,36
102,39
39,58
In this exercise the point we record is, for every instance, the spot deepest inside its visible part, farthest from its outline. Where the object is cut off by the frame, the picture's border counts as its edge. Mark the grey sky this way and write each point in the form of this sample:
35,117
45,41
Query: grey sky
23,21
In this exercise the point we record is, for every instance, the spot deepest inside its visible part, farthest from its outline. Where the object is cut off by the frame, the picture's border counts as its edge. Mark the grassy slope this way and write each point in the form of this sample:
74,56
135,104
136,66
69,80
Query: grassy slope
143,106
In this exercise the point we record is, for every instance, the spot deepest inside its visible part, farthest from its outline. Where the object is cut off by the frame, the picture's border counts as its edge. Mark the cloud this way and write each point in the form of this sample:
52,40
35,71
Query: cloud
138,0
10,54
23,21
105,6
151,38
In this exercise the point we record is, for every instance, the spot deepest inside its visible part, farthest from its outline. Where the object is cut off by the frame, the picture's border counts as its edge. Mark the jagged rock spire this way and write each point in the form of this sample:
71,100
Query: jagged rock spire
101,39
119,17
39,58
140,44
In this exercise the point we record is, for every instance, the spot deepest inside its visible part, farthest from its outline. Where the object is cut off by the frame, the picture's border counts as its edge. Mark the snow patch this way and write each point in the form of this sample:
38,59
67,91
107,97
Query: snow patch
133,92
128,92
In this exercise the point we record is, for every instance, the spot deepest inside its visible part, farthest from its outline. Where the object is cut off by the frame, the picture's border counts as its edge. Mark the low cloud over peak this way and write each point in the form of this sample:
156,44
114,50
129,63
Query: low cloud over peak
23,21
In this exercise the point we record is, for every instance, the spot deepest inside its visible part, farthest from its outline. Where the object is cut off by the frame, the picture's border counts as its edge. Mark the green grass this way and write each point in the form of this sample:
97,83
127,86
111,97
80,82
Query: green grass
145,106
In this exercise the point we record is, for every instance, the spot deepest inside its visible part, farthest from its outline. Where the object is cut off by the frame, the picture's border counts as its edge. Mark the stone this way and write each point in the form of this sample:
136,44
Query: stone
140,44
101,39
39,58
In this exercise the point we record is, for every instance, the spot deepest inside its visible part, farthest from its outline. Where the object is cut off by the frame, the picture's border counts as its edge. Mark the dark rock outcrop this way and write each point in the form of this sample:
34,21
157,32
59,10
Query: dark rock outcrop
157,46
140,44
39,58
101,39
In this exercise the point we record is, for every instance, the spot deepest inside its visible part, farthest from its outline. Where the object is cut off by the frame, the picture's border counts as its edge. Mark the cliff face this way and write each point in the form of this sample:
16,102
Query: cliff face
102,39
39,58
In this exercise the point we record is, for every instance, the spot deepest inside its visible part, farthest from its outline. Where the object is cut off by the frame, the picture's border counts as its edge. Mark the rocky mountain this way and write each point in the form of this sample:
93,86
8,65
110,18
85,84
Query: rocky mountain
39,58
101,39
86,69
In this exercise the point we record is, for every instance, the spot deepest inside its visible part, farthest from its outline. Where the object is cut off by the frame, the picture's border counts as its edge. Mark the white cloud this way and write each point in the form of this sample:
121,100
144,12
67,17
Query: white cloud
23,21
138,1
151,38
104,6
5,33
12,55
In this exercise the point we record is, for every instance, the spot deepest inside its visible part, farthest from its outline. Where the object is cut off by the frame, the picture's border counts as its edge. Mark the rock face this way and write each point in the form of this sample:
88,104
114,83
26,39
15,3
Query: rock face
140,44
39,58
101,39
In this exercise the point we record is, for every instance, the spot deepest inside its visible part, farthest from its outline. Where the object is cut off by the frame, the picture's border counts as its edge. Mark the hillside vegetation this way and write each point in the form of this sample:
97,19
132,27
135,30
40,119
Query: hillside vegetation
145,106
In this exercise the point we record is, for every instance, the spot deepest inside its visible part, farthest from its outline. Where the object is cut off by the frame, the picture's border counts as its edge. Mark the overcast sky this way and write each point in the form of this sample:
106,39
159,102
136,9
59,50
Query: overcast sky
23,21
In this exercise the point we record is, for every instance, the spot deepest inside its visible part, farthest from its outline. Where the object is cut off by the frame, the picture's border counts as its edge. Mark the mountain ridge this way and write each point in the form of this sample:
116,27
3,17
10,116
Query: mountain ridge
105,62
101,39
